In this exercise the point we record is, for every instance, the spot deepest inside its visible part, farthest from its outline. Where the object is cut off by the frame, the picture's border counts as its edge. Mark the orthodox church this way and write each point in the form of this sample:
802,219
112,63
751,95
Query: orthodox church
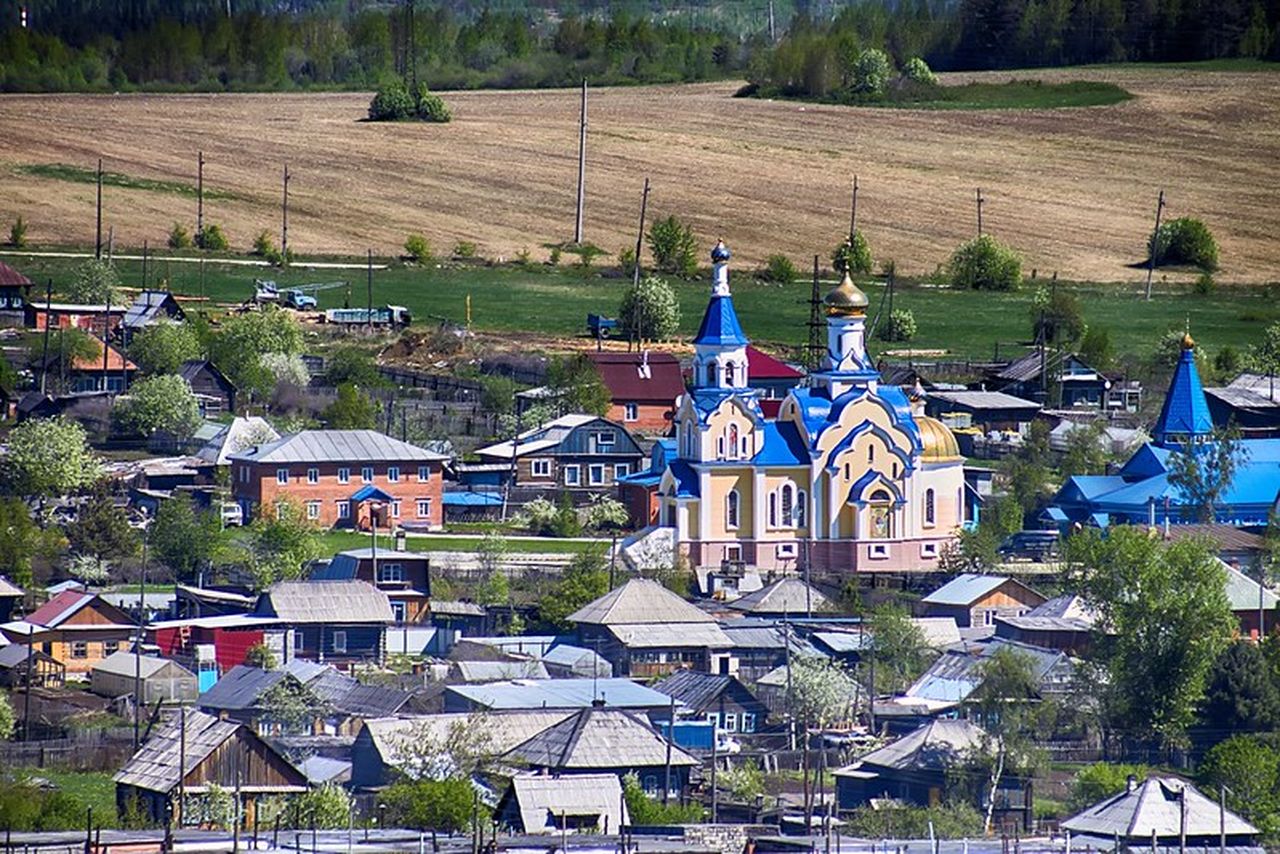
850,475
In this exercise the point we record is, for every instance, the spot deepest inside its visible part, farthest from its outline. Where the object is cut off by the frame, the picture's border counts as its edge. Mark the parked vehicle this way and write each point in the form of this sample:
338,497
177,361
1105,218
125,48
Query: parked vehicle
389,315
1030,545
600,326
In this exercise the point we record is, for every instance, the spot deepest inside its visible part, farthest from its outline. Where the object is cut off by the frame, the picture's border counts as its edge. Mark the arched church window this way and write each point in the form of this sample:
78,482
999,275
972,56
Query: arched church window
787,498
871,453
773,509
731,512
929,513
728,374
881,515
802,509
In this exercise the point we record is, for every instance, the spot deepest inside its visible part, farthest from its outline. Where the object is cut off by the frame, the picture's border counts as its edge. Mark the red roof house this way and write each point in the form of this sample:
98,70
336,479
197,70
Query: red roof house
773,378
77,628
15,288
643,386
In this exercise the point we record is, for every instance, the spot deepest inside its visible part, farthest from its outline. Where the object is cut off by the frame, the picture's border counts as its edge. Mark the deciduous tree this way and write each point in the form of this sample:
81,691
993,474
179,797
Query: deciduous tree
161,348
48,457
351,410
184,539
584,580
649,311
163,405
1203,471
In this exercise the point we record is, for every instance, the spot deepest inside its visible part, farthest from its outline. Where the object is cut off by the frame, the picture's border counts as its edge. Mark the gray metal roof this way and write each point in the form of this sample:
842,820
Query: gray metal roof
787,595
1153,806
561,694
599,738
337,446
967,588
934,746
322,769
693,689
984,399
371,701
240,688
1243,591
396,739
956,674
122,663
671,636
340,602
539,799
241,434
640,601
497,671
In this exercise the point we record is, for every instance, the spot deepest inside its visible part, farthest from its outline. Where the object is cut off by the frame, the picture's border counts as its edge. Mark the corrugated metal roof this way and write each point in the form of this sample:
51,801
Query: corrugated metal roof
240,434
498,671
965,589
322,769
1243,592
59,608
640,601
789,595
599,738
336,446
240,688
693,689
10,277
371,701
539,438
671,636
628,379
1153,806
122,663
984,400
934,746
340,602
560,694
1185,411
540,799
396,739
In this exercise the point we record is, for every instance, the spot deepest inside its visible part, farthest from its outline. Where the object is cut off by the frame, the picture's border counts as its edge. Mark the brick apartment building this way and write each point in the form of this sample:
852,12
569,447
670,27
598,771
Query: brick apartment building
336,476
643,388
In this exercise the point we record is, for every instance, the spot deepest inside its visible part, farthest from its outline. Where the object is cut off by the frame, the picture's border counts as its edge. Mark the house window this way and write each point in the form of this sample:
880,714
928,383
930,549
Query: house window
366,474
928,507
390,573
731,512
313,510
424,508
713,718
395,509
989,617
313,476
595,474
572,475
424,474
344,509
846,471
282,476
344,475
540,468
339,641
299,639
630,412
79,649
731,721
244,474
928,550
786,550
393,474
895,471
621,470
110,647
605,441
397,611
748,722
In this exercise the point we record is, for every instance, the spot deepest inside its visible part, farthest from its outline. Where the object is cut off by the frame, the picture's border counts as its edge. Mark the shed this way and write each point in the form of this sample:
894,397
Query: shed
787,595
163,680
46,671
976,600
212,389
203,751
590,803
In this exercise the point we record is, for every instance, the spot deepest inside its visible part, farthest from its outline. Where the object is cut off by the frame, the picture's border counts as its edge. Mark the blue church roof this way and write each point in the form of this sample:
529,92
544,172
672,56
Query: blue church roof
720,326
783,446
1185,411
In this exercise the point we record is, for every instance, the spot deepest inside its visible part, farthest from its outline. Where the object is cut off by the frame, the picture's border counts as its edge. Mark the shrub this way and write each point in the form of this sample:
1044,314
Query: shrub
524,259
645,811
1101,780
464,249
213,239
554,258
918,71
673,246
263,244
901,326
871,71
1204,285
854,257
779,269
417,249
1184,241
179,237
985,264
18,233
627,261
431,108
391,103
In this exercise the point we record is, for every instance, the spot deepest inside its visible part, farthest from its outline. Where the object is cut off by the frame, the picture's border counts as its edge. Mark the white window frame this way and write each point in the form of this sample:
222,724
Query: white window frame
282,476
79,649
339,640
572,475
748,722
393,474
344,475
313,475
606,441
366,474
730,721
313,510
928,550
395,508
398,611
540,467
424,474
878,551
344,509
621,470
299,639
424,508
592,469
630,411
390,573
786,549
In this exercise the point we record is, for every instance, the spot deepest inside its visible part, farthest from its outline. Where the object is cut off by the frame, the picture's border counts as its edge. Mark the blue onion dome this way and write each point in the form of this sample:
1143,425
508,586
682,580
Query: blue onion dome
720,253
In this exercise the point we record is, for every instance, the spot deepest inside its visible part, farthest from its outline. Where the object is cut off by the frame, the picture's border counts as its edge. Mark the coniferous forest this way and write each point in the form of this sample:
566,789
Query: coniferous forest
215,45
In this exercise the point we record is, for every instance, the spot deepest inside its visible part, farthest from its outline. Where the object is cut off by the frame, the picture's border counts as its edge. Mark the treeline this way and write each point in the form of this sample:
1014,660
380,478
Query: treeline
323,48
815,59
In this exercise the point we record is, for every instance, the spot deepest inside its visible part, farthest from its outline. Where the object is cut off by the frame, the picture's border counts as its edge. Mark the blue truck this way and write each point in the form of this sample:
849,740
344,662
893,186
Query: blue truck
600,326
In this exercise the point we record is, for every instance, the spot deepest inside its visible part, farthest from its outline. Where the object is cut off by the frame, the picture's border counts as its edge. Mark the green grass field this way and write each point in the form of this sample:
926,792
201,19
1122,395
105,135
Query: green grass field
964,323
336,541
1009,95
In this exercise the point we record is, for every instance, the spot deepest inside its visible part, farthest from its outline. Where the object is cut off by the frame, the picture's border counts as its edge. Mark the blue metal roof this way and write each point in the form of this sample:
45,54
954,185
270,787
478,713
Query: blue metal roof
1186,411
783,446
463,498
720,326
686,479
342,568
562,694
814,408
366,493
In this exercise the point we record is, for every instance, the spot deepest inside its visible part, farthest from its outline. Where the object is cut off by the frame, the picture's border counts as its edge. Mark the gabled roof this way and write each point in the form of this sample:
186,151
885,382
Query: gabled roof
789,595
240,434
93,364
762,366
599,738
241,688
147,307
988,400
396,738
969,587
1185,412
545,438
1243,592
337,446
539,799
638,602
697,690
67,604
935,747
10,277
720,326
123,662
640,377
9,590
560,694
1153,807
192,368
338,602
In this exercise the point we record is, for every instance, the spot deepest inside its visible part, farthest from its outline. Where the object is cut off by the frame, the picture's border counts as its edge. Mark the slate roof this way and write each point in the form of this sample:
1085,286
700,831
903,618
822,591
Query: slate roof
627,378
371,701
502,730
240,688
933,747
146,307
1185,411
237,436
1153,806
720,326
337,446
522,694
599,738
671,635
1067,613
787,595
956,674
639,601
339,602
539,799
989,400
497,671
14,655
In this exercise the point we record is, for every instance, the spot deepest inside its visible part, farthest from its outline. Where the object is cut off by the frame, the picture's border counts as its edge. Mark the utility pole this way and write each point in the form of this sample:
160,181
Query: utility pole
97,244
199,198
144,264
815,347
582,164
980,201
284,217
671,734
137,647
644,204
773,36
1155,244
44,356
369,290
853,212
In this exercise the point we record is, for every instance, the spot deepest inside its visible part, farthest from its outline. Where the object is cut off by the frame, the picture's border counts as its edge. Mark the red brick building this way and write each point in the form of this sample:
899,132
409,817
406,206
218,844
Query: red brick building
643,386
330,473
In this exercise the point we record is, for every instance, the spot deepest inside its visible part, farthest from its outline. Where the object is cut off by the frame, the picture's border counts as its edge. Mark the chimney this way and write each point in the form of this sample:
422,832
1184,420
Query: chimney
597,703
1130,783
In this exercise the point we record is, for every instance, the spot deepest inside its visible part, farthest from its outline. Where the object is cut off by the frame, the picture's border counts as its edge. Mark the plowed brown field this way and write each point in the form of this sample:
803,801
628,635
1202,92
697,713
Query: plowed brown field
1073,189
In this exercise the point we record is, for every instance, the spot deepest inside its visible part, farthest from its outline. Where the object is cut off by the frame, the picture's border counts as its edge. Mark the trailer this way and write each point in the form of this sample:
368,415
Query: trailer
394,316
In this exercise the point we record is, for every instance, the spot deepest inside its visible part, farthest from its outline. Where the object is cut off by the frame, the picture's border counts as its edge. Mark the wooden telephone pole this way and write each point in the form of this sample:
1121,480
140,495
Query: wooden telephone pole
1155,244
284,217
980,201
582,164
644,205
853,212
97,243
199,197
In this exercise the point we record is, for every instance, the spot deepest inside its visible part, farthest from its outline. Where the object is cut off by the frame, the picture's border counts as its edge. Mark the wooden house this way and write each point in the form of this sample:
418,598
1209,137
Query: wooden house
150,307
81,374
214,392
15,293
17,658
194,752
720,700
585,803
340,621
976,600
572,452
403,575
76,628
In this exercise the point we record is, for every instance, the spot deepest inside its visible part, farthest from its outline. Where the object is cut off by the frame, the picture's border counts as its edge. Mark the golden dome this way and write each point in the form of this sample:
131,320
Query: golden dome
1188,343
846,298
939,442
